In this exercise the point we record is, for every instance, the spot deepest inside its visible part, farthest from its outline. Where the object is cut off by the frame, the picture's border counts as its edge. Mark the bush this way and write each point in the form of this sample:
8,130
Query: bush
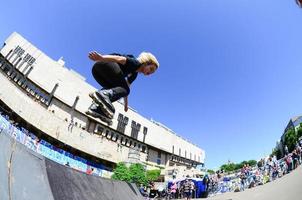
152,175
121,172
137,174
134,174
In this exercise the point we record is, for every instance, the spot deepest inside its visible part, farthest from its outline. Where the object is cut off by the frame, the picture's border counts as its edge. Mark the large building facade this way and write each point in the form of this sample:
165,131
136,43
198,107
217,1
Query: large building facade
53,99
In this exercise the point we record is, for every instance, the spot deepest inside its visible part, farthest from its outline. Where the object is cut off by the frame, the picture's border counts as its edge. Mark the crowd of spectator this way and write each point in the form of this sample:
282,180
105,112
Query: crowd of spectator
266,170
48,150
181,189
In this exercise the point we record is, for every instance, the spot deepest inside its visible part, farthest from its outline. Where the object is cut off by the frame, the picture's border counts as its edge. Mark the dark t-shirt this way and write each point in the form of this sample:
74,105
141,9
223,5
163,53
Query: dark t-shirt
130,67
187,186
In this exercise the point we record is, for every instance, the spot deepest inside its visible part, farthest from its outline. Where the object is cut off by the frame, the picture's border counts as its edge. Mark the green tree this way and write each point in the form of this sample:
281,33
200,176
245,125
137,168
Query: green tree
152,175
121,172
276,152
299,131
291,139
252,163
137,174
240,165
210,171
234,167
228,167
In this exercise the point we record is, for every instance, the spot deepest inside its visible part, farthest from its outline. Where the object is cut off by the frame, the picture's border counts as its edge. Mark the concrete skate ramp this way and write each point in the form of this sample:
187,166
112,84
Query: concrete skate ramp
25,175
22,172
69,184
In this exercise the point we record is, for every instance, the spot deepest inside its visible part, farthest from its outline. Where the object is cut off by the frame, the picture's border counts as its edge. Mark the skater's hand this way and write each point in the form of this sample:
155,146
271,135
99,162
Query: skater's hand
95,56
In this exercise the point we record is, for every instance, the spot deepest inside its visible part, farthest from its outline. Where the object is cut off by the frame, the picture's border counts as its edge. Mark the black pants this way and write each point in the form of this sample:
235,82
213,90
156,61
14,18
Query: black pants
110,76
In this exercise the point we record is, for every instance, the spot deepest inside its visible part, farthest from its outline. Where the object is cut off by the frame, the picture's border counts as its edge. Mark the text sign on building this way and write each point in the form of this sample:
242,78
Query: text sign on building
29,59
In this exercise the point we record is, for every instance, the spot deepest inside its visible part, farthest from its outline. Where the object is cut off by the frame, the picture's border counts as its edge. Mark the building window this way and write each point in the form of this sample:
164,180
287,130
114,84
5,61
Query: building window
99,129
107,133
9,53
166,158
173,149
185,154
158,161
179,152
190,156
135,129
145,133
19,51
31,61
122,123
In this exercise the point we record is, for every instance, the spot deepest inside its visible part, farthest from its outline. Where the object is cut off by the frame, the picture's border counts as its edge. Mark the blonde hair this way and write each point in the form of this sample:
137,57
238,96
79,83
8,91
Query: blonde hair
148,58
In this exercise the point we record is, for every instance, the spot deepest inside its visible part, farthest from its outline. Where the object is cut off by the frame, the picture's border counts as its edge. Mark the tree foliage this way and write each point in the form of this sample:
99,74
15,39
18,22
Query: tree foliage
121,172
233,166
299,131
134,174
137,174
252,162
291,139
152,175
210,171
276,152
228,167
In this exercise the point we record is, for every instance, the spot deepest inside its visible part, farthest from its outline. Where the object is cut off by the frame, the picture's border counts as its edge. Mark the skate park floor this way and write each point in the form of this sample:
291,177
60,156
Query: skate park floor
288,187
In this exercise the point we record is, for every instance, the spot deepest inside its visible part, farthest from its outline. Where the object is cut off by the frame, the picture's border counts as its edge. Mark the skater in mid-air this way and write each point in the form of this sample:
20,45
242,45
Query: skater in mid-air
299,2
115,73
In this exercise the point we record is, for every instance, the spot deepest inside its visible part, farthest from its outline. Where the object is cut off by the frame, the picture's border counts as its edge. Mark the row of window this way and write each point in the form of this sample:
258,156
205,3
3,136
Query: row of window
182,160
25,84
179,153
122,123
120,139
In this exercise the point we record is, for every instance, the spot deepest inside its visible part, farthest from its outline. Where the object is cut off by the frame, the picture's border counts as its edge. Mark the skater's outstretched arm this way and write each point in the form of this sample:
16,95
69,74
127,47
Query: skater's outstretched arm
95,56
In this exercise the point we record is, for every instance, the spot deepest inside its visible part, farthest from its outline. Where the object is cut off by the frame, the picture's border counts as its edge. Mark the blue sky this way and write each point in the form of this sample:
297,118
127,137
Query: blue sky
230,71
